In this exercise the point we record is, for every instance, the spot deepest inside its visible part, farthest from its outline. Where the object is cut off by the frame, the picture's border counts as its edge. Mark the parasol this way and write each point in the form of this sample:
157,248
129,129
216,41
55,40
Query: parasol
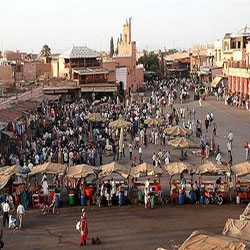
178,131
116,167
153,121
241,169
174,168
95,117
182,142
120,123
145,168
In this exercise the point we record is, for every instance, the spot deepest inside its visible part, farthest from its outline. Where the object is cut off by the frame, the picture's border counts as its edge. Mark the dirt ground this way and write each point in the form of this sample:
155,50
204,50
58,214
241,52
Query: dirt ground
125,227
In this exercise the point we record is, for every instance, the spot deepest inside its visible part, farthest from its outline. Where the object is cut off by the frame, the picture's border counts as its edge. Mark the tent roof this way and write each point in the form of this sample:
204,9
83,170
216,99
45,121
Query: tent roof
79,171
179,167
145,168
6,173
207,241
238,229
212,168
241,169
49,168
114,167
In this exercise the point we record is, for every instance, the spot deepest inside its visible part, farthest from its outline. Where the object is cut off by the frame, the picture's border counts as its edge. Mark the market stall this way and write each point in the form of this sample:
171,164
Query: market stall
79,182
242,186
143,173
8,183
50,168
176,191
121,187
213,169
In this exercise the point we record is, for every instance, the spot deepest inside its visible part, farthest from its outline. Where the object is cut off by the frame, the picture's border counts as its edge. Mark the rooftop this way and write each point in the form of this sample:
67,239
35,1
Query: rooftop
80,52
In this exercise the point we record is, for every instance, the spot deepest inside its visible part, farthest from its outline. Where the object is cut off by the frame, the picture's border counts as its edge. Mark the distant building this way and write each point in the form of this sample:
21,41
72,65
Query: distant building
130,75
235,54
82,70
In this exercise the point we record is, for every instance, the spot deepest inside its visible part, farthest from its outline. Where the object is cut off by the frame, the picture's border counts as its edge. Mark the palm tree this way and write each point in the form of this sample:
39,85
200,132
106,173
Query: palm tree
45,52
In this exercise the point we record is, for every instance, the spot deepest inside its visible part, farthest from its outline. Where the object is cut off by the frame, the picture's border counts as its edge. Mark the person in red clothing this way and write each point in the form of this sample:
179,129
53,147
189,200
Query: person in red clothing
202,155
83,228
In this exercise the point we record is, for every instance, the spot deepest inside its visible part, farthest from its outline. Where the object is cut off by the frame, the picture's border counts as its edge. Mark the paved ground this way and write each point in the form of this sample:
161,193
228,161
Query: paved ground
133,226
126,227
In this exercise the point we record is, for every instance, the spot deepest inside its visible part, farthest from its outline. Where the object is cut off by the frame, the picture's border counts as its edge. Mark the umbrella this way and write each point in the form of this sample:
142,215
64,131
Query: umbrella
145,168
81,171
95,117
120,123
49,168
177,131
179,168
182,142
153,121
116,167
212,168
241,169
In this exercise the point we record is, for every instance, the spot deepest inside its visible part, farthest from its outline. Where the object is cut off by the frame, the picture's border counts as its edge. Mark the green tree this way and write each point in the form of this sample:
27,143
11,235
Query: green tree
150,61
46,53
112,50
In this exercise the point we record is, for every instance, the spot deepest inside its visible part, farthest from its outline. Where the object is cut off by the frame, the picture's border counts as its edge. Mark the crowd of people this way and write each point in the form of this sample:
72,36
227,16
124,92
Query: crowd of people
58,132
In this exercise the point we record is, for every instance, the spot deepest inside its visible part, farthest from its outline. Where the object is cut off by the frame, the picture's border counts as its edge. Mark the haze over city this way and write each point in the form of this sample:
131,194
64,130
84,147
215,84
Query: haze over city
28,25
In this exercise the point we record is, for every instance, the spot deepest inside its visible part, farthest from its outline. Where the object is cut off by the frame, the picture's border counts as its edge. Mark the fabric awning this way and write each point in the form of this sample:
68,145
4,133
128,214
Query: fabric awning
216,81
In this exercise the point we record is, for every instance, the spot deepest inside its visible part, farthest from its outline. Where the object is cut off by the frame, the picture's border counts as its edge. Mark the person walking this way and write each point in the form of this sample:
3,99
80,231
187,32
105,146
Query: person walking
200,102
231,189
140,154
6,210
45,187
246,150
20,213
229,148
230,137
83,229
130,148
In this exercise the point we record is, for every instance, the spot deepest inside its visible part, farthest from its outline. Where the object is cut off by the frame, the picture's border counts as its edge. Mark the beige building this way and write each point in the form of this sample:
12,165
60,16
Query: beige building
236,49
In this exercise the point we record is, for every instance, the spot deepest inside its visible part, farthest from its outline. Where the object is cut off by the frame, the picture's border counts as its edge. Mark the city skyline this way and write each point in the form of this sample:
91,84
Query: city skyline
159,24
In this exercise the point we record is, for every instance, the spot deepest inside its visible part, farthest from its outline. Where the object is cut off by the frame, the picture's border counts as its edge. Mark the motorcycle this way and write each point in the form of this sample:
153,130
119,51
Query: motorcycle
212,197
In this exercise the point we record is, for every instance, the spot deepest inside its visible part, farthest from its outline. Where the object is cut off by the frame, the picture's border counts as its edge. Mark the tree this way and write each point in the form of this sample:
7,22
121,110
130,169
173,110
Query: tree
45,53
150,61
112,51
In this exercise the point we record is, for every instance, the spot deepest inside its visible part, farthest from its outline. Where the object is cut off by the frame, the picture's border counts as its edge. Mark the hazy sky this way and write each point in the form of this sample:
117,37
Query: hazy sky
29,24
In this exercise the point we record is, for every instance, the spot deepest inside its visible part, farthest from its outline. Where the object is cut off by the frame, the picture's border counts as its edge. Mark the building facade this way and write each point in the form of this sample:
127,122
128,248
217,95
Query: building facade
236,49
126,58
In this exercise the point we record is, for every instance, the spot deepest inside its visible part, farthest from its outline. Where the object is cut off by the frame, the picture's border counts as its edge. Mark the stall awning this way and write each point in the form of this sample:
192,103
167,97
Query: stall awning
216,81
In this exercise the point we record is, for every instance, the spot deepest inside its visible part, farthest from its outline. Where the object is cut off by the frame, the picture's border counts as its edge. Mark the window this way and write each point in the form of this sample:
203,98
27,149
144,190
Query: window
239,45
219,55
